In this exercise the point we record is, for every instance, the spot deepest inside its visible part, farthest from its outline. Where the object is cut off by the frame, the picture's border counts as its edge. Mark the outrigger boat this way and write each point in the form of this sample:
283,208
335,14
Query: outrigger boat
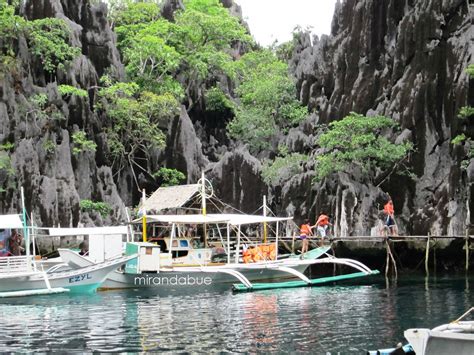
174,261
21,276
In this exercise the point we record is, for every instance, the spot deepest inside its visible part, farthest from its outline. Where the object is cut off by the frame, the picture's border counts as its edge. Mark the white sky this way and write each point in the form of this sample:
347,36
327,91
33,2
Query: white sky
276,19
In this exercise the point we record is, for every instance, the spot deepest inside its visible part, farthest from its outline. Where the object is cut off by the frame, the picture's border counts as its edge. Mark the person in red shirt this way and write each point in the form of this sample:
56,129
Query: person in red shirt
305,233
322,225
389,212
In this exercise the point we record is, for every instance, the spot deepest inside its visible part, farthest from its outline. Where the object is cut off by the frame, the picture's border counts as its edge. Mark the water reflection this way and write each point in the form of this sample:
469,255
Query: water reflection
318,320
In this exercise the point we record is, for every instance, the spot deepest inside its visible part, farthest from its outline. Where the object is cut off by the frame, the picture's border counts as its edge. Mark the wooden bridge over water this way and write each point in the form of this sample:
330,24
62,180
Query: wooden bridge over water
427,245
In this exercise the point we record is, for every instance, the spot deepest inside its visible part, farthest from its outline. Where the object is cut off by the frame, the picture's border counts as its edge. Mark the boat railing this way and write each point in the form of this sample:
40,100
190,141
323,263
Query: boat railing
15,264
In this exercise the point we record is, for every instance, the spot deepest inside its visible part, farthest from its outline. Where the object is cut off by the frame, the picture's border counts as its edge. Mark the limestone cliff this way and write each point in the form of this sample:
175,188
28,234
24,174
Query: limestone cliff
404,59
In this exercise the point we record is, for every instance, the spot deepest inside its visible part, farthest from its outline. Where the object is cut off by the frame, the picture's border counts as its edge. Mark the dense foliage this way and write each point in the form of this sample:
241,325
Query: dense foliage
135,117
357,141
284,167
48,38
466,112
268,99
169,177
102,208
81,143
68,90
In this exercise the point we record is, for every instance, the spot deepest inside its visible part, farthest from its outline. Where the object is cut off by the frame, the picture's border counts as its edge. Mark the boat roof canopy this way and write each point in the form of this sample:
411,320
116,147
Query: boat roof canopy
240,219
63,232
10,221
232,219
184,219
170,197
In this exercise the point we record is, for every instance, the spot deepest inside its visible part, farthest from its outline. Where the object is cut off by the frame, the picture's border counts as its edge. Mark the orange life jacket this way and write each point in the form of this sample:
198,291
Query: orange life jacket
305,229
323,220
388,208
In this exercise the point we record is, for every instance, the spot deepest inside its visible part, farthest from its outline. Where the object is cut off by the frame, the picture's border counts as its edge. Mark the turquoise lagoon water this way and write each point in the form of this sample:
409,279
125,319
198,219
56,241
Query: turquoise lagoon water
348,319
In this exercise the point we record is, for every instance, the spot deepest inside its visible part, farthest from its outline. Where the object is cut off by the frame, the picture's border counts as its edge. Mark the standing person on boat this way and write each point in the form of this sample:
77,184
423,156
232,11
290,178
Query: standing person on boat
322,225
305,232
389,212
15,243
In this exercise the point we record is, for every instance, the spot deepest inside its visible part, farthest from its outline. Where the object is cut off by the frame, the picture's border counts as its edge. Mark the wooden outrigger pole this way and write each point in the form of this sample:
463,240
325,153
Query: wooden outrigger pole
265,231
204,212
25,228
144,216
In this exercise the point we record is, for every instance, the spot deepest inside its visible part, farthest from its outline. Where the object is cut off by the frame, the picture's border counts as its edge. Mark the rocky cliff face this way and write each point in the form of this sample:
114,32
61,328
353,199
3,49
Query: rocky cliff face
403,59
55,180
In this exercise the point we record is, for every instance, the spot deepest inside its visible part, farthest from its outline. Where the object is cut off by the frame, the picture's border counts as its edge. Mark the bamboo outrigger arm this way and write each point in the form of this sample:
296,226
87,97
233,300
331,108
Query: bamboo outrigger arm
238,275
293,272
342,261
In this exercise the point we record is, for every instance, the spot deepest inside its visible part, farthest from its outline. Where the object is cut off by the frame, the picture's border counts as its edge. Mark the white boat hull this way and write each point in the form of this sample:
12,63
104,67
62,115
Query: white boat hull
86,279
193,277
432,342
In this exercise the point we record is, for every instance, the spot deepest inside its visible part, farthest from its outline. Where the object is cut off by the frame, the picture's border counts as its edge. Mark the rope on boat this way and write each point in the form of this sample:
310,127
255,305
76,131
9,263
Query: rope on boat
464,315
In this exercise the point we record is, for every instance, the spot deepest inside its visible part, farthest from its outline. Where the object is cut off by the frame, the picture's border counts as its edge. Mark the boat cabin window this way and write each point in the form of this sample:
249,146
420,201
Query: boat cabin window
179,253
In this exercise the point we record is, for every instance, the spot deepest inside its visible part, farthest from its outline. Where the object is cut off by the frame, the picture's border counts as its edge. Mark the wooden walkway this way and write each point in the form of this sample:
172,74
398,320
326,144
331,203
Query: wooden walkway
429,240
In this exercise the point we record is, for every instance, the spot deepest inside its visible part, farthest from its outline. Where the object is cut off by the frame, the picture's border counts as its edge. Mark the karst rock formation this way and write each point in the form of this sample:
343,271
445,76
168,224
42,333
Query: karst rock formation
404,59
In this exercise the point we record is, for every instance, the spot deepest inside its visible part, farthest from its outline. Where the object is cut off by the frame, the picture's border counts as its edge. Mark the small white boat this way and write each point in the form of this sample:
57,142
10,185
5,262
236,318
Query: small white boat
21,276
456,337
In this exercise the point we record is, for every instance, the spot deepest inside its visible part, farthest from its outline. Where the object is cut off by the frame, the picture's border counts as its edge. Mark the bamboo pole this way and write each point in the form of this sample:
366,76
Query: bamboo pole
393,260
427,254
204,209
265,232
467,249
144,235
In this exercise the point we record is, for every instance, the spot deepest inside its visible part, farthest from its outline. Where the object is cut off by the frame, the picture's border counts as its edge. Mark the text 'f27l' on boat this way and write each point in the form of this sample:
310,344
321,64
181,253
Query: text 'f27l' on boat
21,275
191,251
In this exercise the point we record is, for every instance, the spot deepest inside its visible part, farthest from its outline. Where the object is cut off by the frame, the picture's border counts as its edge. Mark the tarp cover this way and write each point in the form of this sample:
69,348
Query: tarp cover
10,221
170,197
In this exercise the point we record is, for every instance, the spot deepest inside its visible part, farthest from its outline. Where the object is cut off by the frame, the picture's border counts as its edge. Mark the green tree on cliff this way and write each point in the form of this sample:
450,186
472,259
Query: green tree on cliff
465,113
358,142
48,38
197,44
267,99
135,117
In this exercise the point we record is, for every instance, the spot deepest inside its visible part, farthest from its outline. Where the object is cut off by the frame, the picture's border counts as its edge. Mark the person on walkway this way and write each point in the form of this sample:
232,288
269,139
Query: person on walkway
305,233
322,225
389,212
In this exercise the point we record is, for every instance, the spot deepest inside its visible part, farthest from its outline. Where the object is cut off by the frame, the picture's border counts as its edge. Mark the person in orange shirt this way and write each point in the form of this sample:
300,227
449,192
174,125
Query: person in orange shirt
322,225
389,212
305,233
